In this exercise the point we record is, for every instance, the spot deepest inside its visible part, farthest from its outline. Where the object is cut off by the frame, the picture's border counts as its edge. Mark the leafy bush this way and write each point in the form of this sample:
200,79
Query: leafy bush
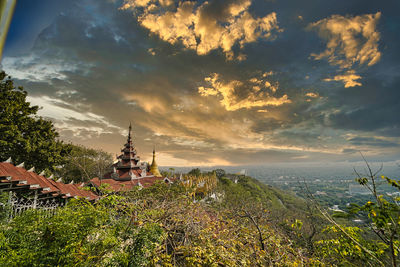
160,225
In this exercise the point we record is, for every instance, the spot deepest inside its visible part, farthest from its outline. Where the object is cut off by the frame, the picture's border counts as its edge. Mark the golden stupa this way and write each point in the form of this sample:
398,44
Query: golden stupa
154,168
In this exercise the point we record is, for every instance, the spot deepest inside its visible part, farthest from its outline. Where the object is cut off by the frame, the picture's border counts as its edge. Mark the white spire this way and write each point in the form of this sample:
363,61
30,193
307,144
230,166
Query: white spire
31,169
21,165
59,180
42,173
8,160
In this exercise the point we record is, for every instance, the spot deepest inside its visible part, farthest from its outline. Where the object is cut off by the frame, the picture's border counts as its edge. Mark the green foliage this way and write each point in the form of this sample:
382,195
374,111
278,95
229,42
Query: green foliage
297,224
260,204
199,186
383,214
251,190
195,172
24,136
168,173
220,173
82,164
138,247
392,182
252,224
156,226
55,241
376,241
81,234
340,250
4,207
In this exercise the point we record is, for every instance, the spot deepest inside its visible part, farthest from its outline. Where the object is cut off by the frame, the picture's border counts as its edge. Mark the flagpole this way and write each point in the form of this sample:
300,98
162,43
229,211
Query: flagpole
6,13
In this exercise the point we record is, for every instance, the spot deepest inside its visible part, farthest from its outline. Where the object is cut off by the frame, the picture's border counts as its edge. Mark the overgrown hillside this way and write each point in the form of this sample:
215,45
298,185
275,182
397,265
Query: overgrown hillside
161,225
276,198
237,221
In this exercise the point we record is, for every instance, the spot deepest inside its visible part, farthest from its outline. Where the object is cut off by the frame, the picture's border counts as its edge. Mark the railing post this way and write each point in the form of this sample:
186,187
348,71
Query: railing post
9,206
10,197
35,198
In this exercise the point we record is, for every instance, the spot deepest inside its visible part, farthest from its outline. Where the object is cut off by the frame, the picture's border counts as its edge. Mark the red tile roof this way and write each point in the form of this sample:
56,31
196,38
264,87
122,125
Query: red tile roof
23,178
114,185
124,173
45,185
126,185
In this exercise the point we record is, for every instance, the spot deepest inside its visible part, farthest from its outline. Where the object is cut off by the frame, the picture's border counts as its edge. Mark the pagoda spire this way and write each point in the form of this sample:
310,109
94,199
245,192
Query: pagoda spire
129,148
128,166
154,167
129,133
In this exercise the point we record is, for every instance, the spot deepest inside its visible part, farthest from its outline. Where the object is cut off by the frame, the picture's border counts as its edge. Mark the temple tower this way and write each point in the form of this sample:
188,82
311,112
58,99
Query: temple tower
128,166
154,168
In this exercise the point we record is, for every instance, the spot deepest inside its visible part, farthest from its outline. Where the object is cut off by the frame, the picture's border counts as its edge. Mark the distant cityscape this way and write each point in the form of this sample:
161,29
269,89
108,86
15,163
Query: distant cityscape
333,184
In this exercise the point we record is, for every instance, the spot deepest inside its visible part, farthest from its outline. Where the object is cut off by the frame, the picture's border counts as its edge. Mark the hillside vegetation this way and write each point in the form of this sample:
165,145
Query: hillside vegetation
161,225
241,222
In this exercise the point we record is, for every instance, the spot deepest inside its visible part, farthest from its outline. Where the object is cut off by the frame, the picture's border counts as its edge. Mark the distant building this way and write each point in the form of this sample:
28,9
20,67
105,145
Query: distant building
128,166
29,190
356,189
129,171
336,208
320,193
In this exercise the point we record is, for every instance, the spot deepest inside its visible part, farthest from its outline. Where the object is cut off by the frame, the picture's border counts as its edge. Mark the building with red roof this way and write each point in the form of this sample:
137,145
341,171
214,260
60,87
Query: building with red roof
18,179
28,189
129,171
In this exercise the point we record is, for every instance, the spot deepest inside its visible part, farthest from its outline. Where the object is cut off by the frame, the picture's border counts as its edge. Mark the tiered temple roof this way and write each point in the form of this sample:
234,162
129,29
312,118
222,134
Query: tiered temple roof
129,171
126,173
128,167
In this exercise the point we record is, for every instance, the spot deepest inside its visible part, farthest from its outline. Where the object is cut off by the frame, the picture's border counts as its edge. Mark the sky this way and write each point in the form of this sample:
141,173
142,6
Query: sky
218,82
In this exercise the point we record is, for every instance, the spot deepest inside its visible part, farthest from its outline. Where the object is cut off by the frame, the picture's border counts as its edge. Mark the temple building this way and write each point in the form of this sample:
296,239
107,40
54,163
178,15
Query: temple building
129,171
154,167
128,166
29,190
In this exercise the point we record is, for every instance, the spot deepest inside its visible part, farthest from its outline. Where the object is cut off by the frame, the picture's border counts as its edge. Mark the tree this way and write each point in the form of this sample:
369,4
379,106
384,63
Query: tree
380,215
25,136
83,164
383,212
195,172
220,173
170,173
155,226
346,247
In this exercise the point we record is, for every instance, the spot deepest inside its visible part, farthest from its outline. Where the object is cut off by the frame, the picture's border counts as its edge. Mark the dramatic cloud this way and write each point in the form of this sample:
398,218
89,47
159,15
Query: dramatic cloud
312,95
34,69
350,41
372,141
349,79
205,27
94,68
259,93
66,115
